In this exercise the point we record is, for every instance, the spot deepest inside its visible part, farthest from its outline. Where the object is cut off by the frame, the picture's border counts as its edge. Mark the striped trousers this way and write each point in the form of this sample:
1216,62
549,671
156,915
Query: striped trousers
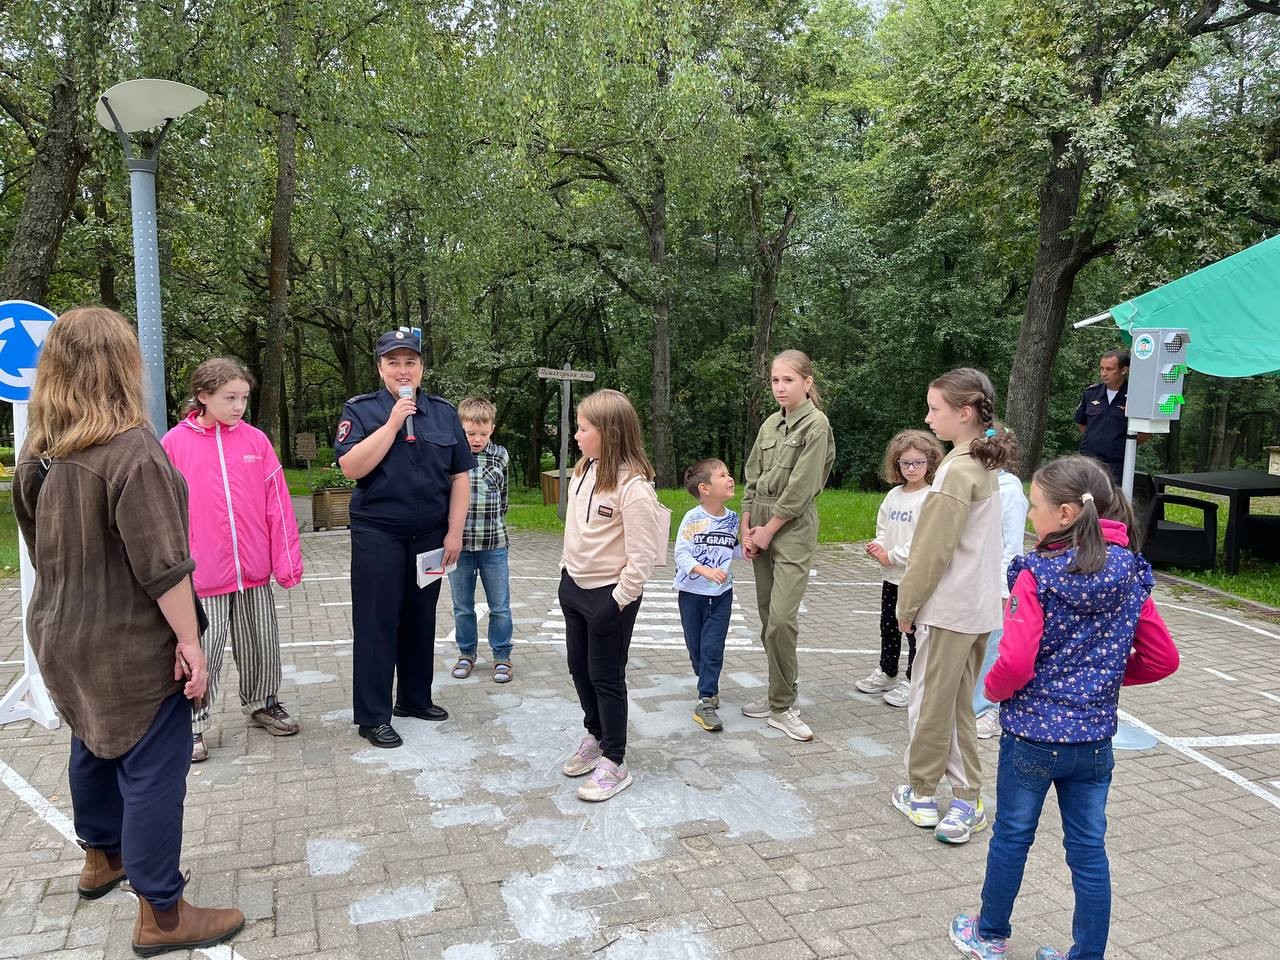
248,619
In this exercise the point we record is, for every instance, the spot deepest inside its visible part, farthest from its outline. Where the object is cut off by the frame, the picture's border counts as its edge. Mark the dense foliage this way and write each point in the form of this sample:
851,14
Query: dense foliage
666,193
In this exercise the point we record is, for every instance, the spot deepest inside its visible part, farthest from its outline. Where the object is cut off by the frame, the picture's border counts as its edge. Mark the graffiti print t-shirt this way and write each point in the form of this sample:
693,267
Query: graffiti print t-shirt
704,540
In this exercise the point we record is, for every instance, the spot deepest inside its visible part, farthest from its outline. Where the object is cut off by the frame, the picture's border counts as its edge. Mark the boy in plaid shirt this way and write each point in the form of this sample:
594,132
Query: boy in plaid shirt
484,547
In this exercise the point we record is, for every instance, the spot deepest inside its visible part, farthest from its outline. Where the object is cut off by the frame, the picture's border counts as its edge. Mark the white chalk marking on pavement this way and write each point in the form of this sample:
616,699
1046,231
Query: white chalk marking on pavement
1219,673
1218,616
34,799
1242,740
1201,759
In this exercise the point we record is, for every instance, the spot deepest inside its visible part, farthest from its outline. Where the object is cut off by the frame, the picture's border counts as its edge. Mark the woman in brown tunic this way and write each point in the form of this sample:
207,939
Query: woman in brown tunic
112,619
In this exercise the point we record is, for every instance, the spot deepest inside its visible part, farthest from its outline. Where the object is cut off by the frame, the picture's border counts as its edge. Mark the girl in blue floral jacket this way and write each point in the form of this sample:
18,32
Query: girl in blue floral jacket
1079,625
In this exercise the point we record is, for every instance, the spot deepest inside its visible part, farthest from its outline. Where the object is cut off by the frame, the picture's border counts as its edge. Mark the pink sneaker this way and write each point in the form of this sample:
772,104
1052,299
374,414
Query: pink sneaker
609,778
584,759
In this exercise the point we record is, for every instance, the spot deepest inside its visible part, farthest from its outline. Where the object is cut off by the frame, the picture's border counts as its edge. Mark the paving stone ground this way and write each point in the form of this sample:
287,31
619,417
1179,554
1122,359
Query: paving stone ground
468,844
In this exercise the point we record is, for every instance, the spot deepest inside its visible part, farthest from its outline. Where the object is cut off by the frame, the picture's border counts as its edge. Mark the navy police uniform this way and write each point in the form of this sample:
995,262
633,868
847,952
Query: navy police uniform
1106,425
398,510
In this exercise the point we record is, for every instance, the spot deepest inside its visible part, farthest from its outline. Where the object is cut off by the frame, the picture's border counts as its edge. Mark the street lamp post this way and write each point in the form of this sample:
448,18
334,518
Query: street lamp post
125,108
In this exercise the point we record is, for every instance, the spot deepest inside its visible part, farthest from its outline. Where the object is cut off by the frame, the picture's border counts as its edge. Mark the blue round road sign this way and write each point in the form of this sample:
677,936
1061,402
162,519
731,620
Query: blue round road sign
23,327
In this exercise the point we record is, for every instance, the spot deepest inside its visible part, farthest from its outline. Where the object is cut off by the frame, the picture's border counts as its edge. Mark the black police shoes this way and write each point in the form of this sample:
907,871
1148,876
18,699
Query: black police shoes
383,735
431,713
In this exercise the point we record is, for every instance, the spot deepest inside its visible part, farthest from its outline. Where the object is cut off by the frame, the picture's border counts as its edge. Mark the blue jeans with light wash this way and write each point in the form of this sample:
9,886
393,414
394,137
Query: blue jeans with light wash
491,567
1081,774
706,624
980,702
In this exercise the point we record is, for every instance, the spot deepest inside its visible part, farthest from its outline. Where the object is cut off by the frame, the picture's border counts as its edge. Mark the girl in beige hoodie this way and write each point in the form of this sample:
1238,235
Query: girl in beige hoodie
614,535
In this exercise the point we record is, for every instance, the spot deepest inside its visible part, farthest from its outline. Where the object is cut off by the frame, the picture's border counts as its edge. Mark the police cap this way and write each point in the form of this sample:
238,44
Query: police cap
398,340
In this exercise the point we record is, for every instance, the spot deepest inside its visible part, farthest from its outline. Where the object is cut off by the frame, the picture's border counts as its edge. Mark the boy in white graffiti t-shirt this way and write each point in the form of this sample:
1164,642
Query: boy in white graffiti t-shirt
705,544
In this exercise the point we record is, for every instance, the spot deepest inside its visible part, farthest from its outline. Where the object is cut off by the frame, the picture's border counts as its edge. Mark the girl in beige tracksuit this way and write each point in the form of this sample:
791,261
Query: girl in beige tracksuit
614,533
951,594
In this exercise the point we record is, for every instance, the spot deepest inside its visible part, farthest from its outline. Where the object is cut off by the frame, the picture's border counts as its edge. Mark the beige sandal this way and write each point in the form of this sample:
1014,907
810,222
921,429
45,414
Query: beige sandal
462,669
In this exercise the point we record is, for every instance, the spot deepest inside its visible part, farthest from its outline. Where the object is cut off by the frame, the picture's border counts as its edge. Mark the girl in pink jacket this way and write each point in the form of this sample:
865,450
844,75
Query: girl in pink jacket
242,532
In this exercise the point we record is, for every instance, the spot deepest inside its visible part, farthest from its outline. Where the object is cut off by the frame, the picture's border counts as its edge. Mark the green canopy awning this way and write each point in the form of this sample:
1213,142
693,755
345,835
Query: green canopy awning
1231,308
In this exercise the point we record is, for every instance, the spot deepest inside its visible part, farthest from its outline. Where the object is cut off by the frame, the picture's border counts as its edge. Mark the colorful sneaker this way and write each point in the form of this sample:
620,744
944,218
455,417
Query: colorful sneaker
789,722
962,821
922,811
607,779
877,682
897,697
584,759
989,725
757,708
964,934
705,716
199,752
1048,953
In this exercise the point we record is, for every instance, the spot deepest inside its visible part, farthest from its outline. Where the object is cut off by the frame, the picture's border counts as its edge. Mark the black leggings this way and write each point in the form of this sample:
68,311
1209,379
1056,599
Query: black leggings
890,635
597,637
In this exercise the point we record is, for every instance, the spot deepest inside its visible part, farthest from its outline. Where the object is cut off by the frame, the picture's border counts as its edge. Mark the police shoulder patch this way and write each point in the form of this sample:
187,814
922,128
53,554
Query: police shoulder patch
344,428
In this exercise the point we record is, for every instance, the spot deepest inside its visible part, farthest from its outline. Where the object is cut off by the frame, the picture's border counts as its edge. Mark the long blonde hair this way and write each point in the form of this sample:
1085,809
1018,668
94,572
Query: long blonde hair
621,443
799,361
88,385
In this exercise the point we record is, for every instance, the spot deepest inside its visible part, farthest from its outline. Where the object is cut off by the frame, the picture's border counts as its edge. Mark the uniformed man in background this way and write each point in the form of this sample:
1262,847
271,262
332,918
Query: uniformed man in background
409,457
1101,415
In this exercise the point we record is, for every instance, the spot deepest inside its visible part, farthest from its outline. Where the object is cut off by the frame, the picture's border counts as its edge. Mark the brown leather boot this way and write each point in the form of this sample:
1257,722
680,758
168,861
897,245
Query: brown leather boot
100,874
182,927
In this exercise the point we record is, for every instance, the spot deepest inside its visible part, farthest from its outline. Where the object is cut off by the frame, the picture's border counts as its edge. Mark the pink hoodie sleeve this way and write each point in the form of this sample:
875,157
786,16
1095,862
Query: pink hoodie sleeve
1020,642
1154,655
282,525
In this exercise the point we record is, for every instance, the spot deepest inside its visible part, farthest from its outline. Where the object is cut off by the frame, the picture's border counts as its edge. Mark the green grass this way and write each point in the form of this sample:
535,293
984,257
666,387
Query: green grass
843,515
8,537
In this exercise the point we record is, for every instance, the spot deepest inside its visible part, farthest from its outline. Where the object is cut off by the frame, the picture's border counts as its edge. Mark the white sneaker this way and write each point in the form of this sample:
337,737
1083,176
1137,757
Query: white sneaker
897,697
789,722
989,725
606,780
757,708
876,682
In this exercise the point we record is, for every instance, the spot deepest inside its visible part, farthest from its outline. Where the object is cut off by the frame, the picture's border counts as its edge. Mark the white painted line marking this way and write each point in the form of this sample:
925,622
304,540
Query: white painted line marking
337,603
1200,758
1242,740
1219,673
34,799
1217,616
1270,696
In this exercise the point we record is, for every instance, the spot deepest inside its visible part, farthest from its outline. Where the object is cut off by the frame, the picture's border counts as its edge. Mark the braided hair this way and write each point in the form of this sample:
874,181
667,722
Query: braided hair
996,447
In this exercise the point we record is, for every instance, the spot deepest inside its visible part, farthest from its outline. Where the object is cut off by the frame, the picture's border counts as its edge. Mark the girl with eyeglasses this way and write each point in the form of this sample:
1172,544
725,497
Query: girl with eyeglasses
910,462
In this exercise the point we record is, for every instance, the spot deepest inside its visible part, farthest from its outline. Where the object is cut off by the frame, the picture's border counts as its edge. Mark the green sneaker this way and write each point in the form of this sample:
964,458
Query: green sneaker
705,716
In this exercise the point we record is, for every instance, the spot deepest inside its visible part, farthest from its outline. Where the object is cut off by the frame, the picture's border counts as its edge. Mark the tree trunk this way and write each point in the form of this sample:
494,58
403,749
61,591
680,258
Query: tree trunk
1219,449
299,419
664,457
51,189
769,249
1053,275
281,220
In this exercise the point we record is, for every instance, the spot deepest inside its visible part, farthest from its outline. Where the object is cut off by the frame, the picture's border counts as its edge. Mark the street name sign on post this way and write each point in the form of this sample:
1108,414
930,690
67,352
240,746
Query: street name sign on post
566,375
23,328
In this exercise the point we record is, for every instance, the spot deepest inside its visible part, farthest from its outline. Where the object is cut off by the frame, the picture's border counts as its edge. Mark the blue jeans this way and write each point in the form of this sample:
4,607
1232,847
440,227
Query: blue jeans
491,565
1081,772
980,702
706,623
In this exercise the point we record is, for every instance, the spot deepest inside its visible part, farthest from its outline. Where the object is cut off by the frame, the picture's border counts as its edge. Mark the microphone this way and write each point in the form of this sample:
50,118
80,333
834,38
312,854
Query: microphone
405,394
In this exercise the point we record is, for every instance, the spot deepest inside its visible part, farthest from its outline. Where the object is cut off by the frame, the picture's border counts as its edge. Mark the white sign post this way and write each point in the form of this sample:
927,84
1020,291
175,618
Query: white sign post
566,376
23,327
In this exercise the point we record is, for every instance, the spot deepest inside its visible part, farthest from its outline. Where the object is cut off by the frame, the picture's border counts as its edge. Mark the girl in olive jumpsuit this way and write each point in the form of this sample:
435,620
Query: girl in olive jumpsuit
787,469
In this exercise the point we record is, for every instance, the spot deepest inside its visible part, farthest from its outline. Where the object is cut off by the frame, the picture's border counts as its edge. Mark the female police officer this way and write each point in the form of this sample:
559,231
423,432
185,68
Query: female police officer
410,460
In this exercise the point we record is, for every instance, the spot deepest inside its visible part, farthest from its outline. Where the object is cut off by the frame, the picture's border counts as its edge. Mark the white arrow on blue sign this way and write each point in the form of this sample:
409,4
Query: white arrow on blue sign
23,328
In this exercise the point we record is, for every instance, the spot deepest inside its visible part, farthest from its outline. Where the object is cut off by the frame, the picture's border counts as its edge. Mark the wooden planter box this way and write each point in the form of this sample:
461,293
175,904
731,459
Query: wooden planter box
331,508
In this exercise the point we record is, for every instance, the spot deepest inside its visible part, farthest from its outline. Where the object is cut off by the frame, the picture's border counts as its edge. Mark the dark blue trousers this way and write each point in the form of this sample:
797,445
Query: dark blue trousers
132,804
706,624
394,622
